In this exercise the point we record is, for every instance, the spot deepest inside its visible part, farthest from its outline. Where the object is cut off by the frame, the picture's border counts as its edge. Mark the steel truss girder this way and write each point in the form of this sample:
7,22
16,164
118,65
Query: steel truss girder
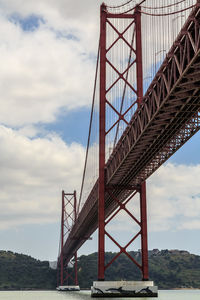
166,107
151,128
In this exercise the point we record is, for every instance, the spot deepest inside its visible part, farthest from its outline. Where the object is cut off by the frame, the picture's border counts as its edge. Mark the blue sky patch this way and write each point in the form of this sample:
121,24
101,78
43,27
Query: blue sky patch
29,23
72,126
189,153
66,35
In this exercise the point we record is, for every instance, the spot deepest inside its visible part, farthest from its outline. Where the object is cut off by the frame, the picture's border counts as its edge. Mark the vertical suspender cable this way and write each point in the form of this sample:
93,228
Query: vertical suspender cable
124,90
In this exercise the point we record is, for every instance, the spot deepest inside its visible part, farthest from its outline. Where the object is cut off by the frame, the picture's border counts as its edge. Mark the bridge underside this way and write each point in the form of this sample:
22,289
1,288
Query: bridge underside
167,118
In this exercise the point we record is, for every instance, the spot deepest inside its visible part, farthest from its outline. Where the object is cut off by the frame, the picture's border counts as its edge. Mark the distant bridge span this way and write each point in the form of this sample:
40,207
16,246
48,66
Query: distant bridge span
167,118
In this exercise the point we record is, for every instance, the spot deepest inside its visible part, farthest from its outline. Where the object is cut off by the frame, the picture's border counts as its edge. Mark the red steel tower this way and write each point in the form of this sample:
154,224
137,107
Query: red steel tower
135,20
68,218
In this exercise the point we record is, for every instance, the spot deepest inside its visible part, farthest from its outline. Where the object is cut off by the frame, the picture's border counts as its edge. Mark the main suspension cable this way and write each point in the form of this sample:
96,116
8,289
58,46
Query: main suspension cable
126,3
90,128
161,7
151,8
168,14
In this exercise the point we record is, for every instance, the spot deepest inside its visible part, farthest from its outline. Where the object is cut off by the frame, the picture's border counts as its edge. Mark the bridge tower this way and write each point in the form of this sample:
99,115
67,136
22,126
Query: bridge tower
67,275
135,20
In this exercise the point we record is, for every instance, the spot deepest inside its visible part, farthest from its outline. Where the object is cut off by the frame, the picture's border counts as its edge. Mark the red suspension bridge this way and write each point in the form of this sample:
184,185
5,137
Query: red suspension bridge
137,121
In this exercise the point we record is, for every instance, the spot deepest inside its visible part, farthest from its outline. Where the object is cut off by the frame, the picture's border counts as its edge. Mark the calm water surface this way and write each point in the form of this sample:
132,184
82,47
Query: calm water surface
85,295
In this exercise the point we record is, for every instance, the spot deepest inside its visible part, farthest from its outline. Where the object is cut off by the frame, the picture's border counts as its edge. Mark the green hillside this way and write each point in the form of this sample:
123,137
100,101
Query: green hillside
168,268
18,271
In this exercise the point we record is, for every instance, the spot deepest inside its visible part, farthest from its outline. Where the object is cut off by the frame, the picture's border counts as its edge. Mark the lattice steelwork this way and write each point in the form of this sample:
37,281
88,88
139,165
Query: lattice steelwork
121,88
67,268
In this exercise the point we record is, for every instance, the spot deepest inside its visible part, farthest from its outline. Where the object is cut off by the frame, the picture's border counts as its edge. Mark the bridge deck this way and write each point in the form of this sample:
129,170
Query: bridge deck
168,116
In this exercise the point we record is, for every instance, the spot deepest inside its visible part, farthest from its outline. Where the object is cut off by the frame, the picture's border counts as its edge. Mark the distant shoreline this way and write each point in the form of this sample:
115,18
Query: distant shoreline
185,289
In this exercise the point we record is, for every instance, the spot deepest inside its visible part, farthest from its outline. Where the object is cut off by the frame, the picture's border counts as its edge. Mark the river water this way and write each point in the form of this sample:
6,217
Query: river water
85,295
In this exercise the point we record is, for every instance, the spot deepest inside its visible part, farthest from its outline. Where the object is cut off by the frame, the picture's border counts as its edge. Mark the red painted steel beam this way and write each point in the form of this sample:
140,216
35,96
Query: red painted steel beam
143,205
62,238
144,245
75,254
102,135
139,54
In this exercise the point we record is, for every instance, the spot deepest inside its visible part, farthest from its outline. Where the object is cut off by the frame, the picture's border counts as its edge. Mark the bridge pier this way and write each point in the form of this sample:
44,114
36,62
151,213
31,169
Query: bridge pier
123,289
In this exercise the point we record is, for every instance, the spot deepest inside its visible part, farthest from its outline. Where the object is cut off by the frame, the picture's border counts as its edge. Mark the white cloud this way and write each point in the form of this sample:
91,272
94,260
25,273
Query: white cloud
31,131
40,74
174,198
190,225
34,171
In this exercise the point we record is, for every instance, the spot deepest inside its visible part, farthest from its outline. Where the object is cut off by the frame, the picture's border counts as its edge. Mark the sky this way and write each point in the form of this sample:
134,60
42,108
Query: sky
48,54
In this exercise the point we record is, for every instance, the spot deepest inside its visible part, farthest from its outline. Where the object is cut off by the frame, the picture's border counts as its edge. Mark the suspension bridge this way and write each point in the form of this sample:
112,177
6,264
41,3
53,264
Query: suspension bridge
145,106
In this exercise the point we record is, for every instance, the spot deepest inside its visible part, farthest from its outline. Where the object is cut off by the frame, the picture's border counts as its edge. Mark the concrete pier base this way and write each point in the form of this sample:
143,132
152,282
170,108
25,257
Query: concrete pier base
68,288
124,289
